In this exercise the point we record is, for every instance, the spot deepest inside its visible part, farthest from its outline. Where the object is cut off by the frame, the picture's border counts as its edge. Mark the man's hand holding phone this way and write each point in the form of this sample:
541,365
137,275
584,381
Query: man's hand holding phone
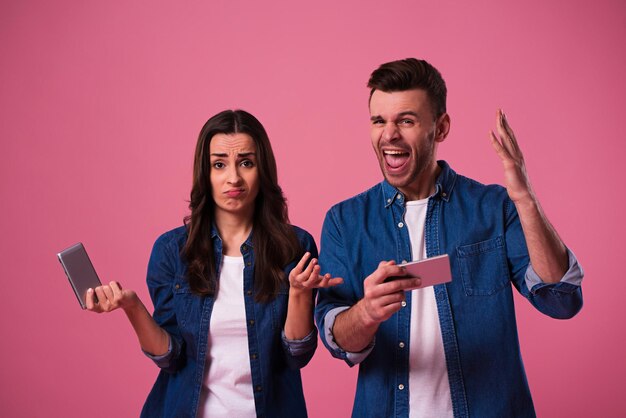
382,297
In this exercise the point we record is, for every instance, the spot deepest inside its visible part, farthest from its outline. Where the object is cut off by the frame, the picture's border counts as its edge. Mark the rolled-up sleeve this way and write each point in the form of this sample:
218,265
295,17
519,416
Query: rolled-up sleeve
300,351
334,300
573,276
350,357
297,348
164,360
160,278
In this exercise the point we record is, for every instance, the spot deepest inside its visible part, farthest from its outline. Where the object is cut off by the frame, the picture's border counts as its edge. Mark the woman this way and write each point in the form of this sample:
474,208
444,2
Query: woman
232,291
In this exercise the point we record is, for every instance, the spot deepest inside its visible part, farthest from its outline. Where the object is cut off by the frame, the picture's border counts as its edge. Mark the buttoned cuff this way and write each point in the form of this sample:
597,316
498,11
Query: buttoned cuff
351,357
162,360
570,281
299,347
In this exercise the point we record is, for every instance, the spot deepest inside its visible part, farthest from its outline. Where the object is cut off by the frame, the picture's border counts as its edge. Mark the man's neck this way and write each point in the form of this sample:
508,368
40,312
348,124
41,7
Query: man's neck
424,187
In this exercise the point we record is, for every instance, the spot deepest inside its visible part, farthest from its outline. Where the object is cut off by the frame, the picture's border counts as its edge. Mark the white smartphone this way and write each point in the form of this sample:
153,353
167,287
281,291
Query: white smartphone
79,271
432,271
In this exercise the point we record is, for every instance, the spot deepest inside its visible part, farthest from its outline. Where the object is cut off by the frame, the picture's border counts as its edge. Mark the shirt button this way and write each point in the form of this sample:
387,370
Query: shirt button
251,322
403,262
400,225
258,388
244,247
248,264
388,200
253,356
401,345
403,303
444,194
401,386
177,286
249,292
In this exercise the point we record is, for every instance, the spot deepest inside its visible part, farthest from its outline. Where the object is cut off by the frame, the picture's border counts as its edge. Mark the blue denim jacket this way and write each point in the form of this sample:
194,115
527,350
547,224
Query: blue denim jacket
478,227
274,361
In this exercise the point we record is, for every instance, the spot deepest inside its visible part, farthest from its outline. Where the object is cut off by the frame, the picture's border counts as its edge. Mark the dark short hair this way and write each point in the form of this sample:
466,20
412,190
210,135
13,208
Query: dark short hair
409,74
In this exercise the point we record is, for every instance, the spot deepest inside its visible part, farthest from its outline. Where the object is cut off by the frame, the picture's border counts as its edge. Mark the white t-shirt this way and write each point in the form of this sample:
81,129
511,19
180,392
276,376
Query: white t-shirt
227,389
428,374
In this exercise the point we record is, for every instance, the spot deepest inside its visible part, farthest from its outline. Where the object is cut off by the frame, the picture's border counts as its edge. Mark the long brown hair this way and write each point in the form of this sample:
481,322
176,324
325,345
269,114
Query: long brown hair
275,243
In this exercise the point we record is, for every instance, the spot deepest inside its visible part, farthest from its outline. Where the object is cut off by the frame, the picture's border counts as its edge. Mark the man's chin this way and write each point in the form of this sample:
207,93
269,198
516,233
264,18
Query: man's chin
396,181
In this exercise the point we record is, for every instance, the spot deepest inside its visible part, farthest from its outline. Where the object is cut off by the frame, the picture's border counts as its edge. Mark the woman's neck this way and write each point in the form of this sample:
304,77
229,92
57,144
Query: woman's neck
234,230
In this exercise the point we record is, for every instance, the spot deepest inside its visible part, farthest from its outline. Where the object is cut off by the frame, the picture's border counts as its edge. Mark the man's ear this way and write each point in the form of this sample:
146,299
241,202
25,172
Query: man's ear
442,128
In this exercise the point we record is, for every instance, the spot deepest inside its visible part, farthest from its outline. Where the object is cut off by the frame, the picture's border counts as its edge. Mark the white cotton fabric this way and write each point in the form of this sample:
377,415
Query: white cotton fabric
429,388
227,389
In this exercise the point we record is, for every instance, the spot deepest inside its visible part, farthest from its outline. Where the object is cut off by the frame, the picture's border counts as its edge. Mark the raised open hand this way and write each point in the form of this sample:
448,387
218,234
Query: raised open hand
516,178
302,278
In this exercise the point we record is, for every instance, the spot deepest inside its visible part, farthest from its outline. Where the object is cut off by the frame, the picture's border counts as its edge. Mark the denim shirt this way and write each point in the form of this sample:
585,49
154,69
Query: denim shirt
479,228
274,360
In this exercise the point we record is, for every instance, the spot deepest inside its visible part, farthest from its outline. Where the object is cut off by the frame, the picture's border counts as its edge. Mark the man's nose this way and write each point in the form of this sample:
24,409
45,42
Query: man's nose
390,132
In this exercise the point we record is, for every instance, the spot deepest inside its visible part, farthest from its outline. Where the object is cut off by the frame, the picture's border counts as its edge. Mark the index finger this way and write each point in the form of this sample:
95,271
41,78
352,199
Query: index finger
116,288
505,124
89,299
506,132
503,133
403,284
300,266
385,270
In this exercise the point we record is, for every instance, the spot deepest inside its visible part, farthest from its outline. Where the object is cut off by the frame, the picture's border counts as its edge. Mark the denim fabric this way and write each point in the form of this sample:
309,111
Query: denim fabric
274,361
479,228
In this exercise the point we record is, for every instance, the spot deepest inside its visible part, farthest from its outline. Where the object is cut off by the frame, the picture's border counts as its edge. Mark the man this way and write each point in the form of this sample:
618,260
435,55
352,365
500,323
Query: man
452,349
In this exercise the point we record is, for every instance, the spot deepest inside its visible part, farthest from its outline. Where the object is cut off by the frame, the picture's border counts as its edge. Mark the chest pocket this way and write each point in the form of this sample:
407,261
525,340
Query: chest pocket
279,309
183,300
483,267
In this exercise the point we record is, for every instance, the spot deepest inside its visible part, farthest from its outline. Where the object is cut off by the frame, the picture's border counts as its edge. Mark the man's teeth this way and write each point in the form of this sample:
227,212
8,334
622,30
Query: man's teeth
394,152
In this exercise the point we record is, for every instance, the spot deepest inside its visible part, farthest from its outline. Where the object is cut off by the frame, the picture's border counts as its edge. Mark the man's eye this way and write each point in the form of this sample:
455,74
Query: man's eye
406,122
378,122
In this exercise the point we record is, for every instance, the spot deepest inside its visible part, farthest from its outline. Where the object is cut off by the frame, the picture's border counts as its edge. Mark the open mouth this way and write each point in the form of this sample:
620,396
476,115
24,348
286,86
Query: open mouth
395,159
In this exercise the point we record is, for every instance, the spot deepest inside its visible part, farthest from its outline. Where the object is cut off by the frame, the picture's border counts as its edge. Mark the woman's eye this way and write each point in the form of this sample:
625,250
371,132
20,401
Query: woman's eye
218,164
247,163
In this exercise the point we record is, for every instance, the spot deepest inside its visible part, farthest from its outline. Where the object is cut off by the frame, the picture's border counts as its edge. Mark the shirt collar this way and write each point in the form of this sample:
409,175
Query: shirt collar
215,234
444,184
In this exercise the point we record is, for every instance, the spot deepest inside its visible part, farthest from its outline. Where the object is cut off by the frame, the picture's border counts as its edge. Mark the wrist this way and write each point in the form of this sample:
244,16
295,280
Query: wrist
366,320
300,296
132,304
526,203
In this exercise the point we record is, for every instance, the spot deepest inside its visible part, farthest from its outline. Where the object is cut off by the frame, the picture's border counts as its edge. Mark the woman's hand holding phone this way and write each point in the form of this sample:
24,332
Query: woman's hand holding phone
107,298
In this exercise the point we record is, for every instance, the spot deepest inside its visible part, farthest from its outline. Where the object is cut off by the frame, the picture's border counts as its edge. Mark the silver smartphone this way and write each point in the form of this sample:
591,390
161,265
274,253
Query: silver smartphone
79,271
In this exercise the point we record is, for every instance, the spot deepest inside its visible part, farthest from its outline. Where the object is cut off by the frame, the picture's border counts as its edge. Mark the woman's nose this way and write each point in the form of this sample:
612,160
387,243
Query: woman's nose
233,176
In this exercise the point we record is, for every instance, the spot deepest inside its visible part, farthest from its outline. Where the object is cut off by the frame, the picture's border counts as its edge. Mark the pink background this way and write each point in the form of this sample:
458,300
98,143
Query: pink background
102,102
